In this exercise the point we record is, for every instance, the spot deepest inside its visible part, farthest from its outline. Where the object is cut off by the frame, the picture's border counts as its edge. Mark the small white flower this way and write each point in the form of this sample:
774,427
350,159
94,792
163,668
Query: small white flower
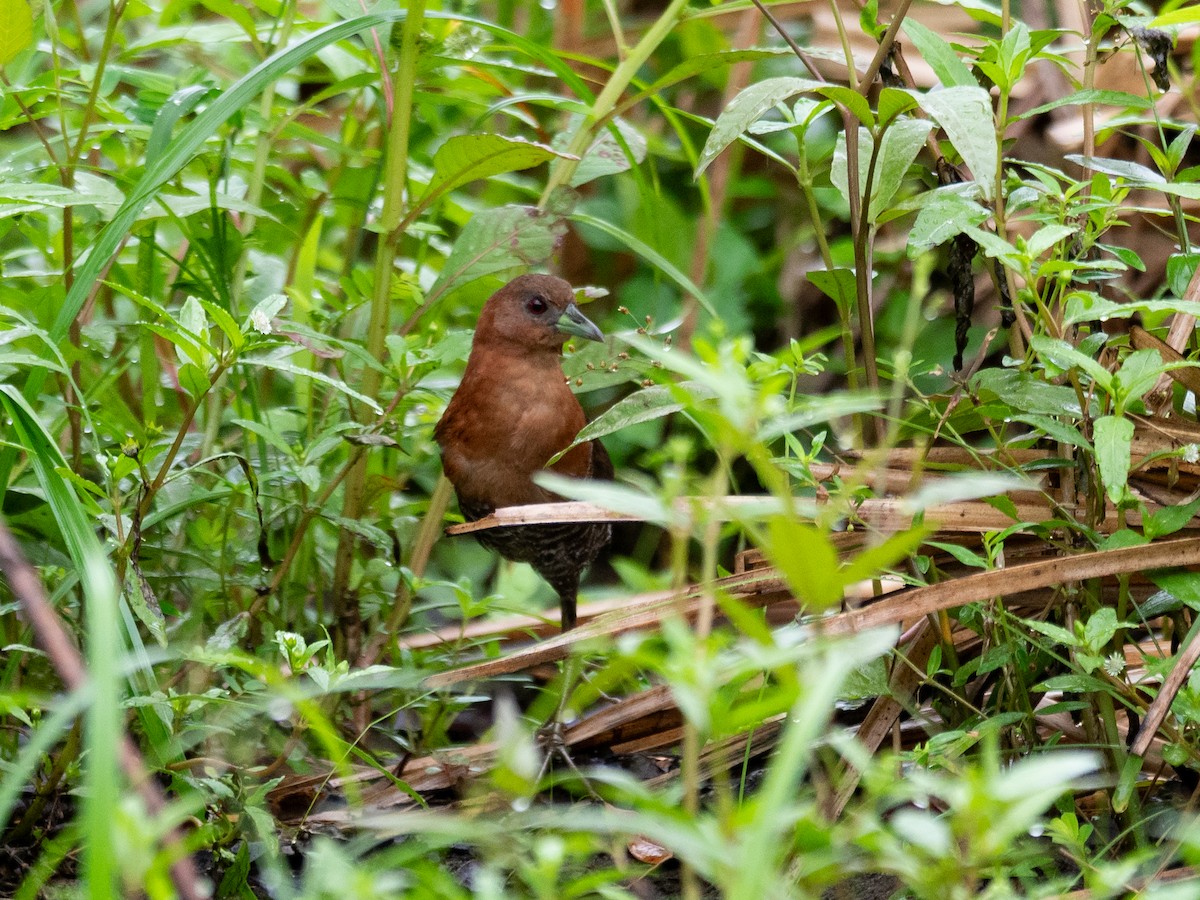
260,321
1191,453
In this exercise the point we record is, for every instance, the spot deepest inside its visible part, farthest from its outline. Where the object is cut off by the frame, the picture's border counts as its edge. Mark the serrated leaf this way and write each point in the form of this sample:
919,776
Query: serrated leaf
1113,437
606,155
745,109
965,114
499,239
470,157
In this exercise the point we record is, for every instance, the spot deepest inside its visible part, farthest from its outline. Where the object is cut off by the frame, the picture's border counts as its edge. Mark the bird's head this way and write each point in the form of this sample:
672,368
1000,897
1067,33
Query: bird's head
534,312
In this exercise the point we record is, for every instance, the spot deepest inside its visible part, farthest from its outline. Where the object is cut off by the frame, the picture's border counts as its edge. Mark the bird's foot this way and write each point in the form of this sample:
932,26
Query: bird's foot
553,741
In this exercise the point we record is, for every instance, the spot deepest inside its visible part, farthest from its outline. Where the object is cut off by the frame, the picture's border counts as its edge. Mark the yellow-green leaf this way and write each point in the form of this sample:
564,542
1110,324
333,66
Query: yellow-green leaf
16,29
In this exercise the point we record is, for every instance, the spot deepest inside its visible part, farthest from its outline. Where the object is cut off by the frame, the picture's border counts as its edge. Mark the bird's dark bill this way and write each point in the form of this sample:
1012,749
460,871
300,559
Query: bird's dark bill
572,321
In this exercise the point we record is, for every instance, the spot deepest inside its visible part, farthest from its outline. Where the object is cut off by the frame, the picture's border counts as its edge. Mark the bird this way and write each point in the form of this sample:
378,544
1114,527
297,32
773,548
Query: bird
512,412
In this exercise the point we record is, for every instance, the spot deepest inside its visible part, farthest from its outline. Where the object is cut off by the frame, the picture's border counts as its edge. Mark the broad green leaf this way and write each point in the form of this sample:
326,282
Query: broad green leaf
950,70
745,109
894,102
852,100
900,145
1094,96
1100,628
649,403
1186,15
470,157
607,155
1022,391
1066,356
1169,519
1056,633
16,29
498,239
836,284
1181,584
806,559
1083,306
873,560
89,190
944,213
1057,429
965,114
1120,168
619,498
1046,237
225,322
1181,267
1139,372
1113,437
279,363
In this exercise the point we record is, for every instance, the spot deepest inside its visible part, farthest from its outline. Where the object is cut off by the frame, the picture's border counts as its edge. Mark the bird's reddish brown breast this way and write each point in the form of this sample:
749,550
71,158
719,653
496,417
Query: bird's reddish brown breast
509,416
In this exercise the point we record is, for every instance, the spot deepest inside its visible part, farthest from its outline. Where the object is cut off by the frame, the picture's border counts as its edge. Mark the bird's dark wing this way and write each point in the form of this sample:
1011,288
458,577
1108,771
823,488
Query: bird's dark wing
602,467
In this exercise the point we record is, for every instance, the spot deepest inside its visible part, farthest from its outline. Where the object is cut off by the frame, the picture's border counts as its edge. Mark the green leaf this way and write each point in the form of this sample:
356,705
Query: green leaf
16,29
950,70
607,155
1169,519
807,560
1065,356
943,213
1181,584
470,157
1139,372
1180,269
900,145
873,560
894,102
965,114
277,362
836,284
645,405
747,108
651,256
495,240
1093,96
851,100
1025,392
1083,306
1113,436
1057,429
1186,15
1120,168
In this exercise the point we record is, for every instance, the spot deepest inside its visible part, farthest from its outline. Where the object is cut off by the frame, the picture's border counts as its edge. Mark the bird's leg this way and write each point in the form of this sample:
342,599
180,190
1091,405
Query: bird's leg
550,735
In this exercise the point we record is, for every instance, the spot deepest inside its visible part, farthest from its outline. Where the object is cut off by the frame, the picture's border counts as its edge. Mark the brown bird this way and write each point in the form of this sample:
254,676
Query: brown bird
512,412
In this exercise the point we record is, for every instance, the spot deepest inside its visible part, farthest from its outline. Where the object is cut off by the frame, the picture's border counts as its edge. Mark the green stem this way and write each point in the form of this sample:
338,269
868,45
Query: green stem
563,169
394,180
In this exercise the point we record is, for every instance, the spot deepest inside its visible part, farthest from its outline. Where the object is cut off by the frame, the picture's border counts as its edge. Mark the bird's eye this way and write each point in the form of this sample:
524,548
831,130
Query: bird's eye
536,305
